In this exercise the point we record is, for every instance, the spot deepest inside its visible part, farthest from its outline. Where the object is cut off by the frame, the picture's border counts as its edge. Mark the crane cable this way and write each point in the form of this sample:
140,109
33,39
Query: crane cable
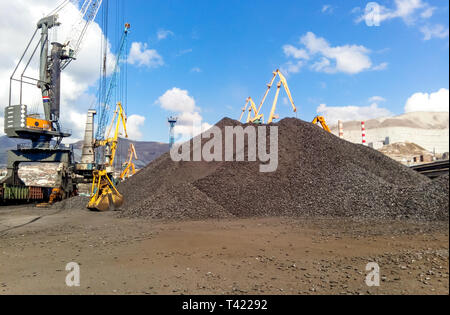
59,7
107,90
102,70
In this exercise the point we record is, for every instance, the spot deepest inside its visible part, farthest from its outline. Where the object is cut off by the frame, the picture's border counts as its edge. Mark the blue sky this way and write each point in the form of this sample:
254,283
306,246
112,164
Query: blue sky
216,53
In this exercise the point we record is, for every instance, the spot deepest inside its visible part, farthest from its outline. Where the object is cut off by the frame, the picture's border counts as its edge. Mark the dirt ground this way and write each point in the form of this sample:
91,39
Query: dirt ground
236,256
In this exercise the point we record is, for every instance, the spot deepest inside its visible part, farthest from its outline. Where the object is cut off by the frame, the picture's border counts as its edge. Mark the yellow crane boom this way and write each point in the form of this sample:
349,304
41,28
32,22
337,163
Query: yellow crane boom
111,141
321,120
130,168
282,82
104,194
251,108
244,109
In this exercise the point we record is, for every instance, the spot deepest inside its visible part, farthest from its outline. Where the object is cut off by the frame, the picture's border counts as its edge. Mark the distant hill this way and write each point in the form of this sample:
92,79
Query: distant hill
147,151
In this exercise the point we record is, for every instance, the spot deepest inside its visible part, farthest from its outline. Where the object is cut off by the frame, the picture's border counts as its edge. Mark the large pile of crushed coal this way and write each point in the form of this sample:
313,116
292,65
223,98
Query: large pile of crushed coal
318,175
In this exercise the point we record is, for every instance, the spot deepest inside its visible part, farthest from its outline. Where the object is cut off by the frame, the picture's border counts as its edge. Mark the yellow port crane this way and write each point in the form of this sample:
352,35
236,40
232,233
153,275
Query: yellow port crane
129,167
321,120
282,82
104,194
257,118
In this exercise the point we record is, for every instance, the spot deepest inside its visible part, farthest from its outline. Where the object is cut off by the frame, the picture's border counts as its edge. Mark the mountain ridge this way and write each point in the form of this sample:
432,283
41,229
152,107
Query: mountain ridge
146,151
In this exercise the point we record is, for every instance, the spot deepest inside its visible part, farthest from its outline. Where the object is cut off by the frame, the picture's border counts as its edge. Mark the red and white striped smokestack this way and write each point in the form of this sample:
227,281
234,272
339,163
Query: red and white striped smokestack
363,130
341,129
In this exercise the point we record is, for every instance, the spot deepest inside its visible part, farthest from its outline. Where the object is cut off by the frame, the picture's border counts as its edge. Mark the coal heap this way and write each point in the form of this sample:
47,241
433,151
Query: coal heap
318,175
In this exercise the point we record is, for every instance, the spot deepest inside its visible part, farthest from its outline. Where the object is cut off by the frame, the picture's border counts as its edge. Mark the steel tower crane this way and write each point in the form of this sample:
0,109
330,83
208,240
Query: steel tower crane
129,168
257,118
282,82
172,122
98,154
106,107
89,159
51,63
54,57
104,194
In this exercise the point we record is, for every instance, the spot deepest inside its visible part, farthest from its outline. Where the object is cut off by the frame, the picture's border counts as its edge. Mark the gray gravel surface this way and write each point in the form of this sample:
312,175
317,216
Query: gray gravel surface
78,202
318,175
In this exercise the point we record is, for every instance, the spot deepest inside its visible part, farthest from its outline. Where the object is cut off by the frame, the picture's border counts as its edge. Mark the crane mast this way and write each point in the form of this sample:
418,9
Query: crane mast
272,116
53,57
88,157
100,164
105,109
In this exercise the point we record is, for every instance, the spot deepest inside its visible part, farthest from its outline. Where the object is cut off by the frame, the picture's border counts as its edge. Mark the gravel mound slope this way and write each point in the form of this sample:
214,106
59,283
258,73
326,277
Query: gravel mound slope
318,175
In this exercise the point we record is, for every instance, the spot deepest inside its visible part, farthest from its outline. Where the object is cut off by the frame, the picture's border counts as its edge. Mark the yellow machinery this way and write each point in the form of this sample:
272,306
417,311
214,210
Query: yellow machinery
40,124
130,168
257,118
283,82
56,195
321,120
105,195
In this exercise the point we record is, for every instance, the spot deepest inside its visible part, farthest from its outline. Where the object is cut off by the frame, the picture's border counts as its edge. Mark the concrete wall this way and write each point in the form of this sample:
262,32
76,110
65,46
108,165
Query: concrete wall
429,139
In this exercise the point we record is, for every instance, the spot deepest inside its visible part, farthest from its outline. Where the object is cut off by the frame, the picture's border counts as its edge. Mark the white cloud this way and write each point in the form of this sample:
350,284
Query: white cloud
163,34
177,100
348,113
196,70
377,99
428,13
436,31
407,10
134,124
327,9
411,12
184,52
356,10
189,119
323,57
291,51
292,67
140,55
425,102
350,59
418,102
382,66
323,65
190,125
72,115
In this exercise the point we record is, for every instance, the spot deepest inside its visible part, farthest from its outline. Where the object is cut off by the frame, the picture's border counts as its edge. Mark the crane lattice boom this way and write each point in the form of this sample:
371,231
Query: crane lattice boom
88,12
105,109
